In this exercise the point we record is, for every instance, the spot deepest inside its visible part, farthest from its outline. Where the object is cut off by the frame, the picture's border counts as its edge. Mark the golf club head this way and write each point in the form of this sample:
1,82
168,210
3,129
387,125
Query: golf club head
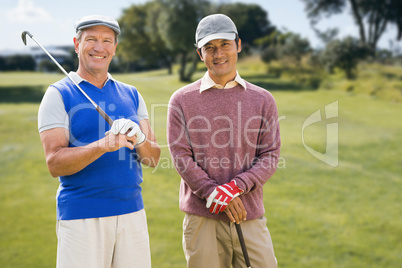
24,36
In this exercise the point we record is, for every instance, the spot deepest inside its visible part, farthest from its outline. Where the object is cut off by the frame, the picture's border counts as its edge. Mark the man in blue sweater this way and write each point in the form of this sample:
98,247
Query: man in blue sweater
101,220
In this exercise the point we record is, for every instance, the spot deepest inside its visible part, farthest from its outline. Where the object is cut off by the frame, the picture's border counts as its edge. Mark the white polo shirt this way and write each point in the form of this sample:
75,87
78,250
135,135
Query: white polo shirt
207,82
53,115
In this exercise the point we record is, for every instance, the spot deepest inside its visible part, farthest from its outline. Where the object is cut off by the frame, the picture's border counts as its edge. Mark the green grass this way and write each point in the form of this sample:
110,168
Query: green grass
384,82
372,79
318,216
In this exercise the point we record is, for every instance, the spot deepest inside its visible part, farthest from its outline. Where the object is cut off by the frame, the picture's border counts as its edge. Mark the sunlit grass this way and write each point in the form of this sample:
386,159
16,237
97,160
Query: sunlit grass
374,80
318,215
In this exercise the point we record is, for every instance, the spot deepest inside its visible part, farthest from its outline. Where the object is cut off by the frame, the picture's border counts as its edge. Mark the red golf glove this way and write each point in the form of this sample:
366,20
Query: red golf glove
220,198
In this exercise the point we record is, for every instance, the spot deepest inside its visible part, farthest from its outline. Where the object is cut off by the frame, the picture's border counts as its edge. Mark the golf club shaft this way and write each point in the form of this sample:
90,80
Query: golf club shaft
99,109
243,245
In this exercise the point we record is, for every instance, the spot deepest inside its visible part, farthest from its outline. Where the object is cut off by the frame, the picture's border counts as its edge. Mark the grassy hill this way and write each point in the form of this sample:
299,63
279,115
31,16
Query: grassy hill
319,216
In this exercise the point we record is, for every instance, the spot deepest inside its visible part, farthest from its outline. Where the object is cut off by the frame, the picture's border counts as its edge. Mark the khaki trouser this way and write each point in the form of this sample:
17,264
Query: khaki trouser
209,243
109,242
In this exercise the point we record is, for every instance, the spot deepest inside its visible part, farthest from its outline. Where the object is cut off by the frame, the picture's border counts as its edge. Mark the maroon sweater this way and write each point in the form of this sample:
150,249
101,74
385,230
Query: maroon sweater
219,135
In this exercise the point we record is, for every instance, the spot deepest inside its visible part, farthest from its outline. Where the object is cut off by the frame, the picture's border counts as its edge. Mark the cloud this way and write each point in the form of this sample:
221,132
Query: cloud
26,12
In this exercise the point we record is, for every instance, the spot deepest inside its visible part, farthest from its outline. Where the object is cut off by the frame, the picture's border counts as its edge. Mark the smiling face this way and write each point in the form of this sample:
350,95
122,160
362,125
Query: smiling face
220,57
95,50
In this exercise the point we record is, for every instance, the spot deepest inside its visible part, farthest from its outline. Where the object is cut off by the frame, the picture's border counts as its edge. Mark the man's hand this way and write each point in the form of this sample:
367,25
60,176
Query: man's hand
236,211
112,142
127,127
220,198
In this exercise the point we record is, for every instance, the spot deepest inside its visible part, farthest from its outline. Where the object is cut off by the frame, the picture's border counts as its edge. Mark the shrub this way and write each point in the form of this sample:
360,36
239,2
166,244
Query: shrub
345,55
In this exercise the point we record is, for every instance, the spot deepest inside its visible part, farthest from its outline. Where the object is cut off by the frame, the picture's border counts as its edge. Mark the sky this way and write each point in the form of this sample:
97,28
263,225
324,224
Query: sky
52,22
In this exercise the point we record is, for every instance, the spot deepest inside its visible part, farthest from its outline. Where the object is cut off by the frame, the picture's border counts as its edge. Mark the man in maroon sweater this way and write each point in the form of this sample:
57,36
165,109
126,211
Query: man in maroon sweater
223,135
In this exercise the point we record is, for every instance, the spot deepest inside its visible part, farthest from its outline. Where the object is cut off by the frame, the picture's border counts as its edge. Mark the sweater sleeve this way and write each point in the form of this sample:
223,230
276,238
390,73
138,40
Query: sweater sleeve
182,154
268,149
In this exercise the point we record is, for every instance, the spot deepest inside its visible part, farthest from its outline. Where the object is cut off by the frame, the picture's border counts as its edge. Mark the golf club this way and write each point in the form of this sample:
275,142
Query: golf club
243,245
99,109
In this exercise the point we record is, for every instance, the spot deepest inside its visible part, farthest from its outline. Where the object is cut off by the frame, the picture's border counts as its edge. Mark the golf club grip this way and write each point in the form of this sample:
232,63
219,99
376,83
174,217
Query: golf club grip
104,115
243,245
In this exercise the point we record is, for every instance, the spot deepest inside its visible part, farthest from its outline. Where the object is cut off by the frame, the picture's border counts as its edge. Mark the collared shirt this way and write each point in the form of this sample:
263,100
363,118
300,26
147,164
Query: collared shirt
78,79
207,83
52,113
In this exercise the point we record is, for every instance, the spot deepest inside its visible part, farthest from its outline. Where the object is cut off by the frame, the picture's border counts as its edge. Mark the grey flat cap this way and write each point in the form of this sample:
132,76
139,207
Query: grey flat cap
216,26
95,20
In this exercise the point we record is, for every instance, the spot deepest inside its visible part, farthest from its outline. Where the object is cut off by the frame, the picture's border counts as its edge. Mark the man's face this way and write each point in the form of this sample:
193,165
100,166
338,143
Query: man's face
220,57
96,48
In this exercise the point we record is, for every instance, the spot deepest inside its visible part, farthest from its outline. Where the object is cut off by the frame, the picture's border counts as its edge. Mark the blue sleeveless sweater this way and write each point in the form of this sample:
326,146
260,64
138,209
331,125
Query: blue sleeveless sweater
110,185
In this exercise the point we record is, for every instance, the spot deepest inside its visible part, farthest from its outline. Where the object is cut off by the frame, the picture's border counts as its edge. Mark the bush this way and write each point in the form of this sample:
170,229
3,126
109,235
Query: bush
302,74
375,80
345,55
269,54
48,66
275,69
289,47
310,78
295,48
19,63
3,64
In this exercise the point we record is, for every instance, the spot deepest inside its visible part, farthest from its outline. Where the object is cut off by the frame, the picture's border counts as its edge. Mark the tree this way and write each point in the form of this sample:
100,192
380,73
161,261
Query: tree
345,55
284,45
371,16
269,54
270,45
47,66
250,19
327,35
152,21
295,47
3,63
21,63
177,26
140,45
395,16
162,31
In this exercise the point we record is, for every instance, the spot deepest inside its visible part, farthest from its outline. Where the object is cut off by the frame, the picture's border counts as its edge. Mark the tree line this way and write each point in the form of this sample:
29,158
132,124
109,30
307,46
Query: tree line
17,63
160,33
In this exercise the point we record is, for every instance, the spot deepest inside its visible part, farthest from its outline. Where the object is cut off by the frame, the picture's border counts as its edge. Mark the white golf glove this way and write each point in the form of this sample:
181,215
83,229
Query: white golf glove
123,125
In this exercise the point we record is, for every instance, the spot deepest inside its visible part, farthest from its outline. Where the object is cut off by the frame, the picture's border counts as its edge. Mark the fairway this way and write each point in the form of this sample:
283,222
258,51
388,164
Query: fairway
319,216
